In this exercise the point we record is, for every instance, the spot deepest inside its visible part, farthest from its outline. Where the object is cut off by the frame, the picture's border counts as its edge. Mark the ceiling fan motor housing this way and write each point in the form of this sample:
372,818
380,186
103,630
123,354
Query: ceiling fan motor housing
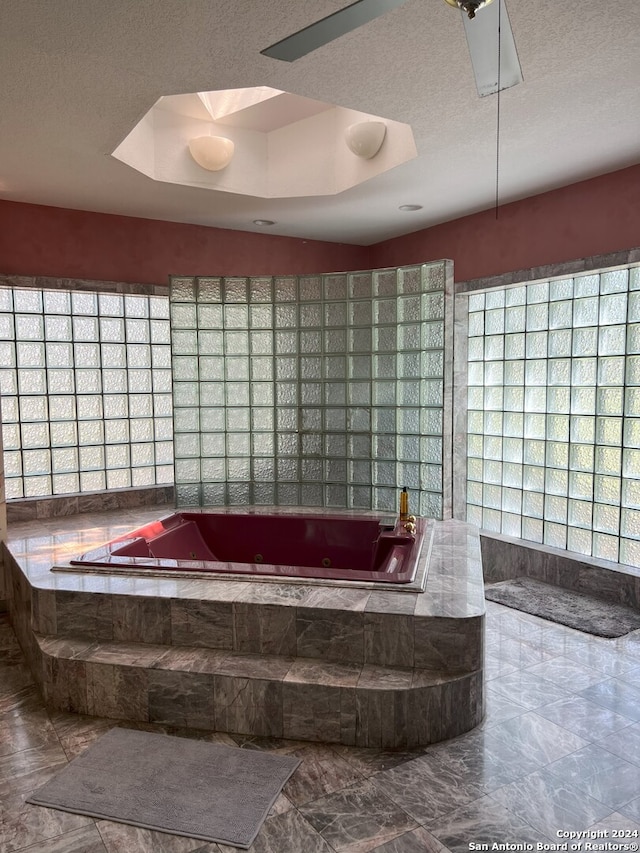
469,6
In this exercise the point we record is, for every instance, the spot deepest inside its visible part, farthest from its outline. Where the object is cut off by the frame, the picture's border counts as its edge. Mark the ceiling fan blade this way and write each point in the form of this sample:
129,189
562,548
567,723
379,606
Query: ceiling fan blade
329,28
482,38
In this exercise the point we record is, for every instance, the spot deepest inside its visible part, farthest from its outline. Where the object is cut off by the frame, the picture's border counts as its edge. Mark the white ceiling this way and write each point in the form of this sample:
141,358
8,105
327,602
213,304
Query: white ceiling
76,75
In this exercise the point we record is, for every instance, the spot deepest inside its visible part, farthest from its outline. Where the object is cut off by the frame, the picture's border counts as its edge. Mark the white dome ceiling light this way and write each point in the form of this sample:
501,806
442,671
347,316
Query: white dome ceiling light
212,153
365,138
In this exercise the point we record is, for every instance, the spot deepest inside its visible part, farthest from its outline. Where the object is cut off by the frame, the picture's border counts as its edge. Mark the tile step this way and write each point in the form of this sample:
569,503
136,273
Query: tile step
260,695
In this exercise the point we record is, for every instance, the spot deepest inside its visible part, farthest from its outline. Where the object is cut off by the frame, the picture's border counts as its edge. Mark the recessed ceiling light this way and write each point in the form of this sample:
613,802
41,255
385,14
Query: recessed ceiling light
410,207
263,222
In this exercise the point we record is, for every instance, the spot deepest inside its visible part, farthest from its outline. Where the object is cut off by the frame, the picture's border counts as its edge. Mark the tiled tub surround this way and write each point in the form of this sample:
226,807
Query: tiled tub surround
88,502
356,666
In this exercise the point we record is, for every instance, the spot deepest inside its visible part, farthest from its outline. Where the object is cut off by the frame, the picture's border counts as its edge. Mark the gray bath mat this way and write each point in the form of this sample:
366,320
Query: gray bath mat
574,609
171,784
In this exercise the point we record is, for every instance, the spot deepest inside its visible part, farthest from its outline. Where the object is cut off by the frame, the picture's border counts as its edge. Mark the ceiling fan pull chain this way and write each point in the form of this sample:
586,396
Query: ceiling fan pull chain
498,109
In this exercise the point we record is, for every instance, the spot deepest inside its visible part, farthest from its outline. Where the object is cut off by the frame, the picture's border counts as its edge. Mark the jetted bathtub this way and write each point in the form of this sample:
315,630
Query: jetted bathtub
330,547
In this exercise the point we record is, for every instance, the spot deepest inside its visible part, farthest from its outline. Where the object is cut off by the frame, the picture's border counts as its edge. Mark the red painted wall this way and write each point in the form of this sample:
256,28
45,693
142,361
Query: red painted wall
52,241
592,217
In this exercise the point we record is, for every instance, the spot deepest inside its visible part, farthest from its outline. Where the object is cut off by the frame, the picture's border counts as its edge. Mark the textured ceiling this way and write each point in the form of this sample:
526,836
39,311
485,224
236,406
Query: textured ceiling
76,75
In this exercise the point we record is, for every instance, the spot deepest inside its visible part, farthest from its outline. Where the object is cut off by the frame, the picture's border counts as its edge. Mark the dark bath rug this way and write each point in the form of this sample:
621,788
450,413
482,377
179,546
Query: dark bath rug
575,609
171,784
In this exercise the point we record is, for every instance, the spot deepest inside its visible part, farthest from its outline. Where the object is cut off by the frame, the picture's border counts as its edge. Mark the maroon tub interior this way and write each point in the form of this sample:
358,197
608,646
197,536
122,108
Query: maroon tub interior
330,547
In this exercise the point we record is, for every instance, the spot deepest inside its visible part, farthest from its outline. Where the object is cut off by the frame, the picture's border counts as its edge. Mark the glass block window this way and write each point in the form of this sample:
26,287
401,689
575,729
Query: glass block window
322,390
85,379
554,413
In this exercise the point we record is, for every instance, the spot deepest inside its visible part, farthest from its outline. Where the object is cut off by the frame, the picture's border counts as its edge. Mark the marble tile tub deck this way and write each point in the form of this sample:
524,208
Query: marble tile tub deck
359,666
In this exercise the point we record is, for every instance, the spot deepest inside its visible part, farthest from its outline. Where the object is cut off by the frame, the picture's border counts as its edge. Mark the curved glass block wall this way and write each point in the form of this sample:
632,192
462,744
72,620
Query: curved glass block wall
324,390
554,413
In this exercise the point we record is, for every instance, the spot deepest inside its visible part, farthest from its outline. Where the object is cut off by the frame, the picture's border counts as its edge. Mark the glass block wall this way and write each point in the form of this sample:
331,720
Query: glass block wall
554,413
312,390
85,380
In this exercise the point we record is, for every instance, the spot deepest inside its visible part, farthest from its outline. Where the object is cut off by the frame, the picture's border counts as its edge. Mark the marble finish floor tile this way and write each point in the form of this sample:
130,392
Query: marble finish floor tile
630,645
7,638
23,825
322,772
550,804
616,822
599,774
449,785
543,746
457,772
271,744
22,771
289,831
16,678
498,708
84,840
23,699
631,676
617,695
120,838
495,666
632,810
416,841
586,719
502,753
572,675
368,761
357,819
625,743
483,821
529,689
539,739
76,732
609,659
29,729
521,653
